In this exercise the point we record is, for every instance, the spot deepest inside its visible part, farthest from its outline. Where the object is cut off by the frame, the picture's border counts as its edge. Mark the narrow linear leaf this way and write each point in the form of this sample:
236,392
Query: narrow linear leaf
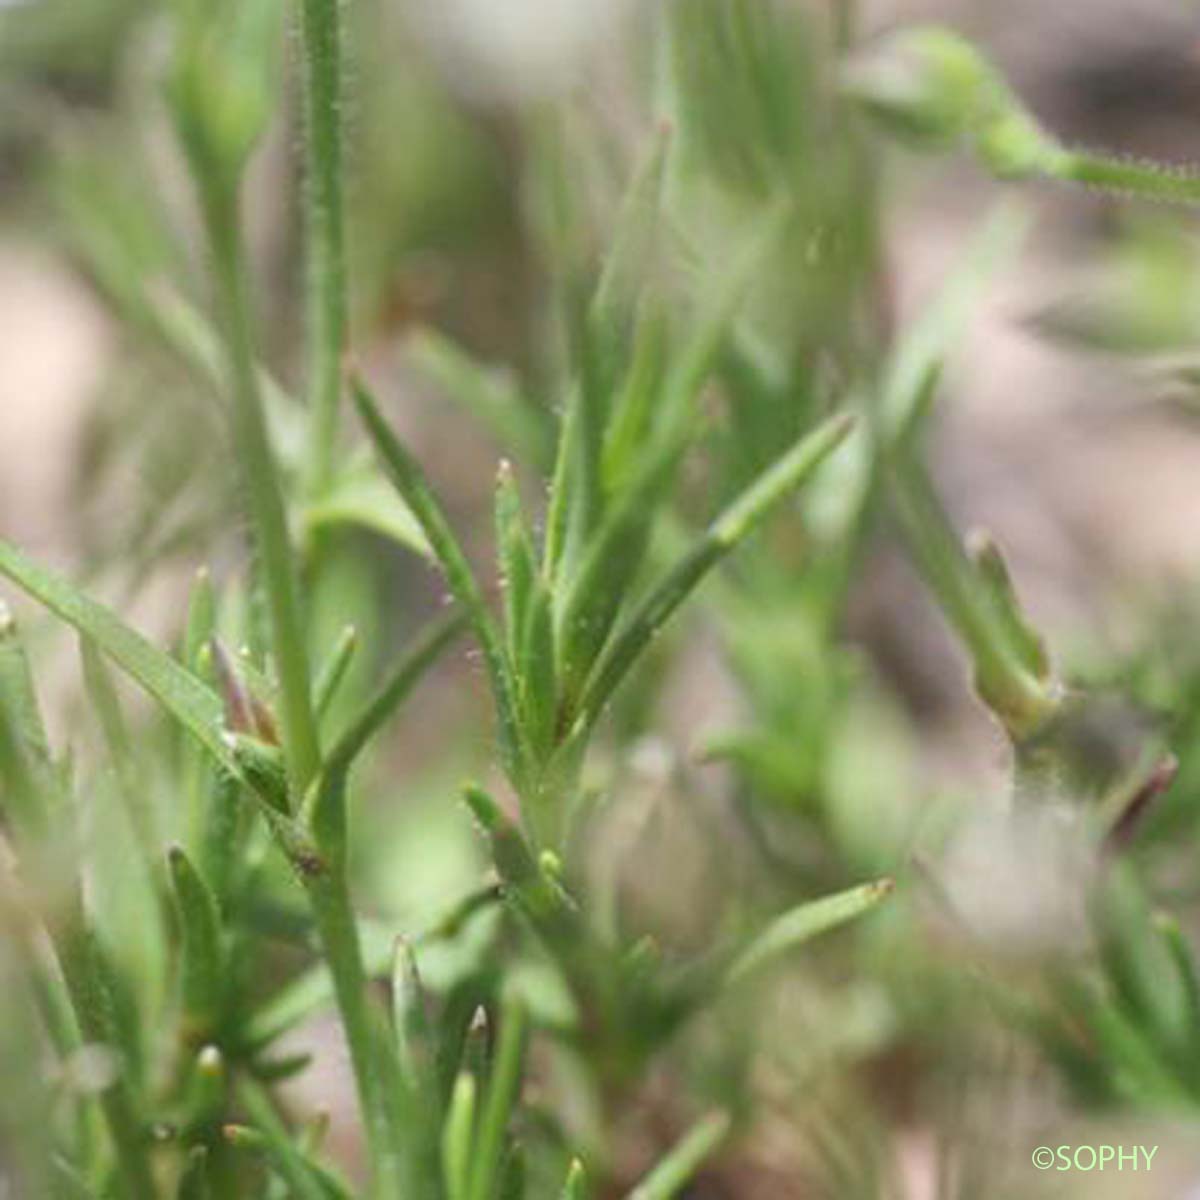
1185,965
513,1174
1142,1074
698,354
1020,700
275,1070
575,1185
107,706
324,808
201,622
1028,644
805,922
514,550
588,604
194,1179
207,1085
633,408
1140,969
684,1159
606,335
410,1018
476,1045
312,990
409,671
410,481
306,1179
554,548
738,520
195,706
504,1083
198,777
458,1137
83,972
452,923
536,675
634,239
542,899
202,958
32,785
333,671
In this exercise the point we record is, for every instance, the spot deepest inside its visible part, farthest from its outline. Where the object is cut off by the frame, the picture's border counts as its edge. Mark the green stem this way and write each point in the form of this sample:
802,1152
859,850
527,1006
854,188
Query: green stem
342,952
1152,181
325,884
326,267
261,482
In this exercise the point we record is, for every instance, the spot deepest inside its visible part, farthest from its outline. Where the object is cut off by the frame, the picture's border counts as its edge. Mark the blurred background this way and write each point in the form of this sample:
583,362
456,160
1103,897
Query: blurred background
488,146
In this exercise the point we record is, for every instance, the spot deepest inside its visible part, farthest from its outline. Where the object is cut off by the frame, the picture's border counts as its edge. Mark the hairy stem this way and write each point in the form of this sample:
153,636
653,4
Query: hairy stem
330,901
261,481
1151,181
326,266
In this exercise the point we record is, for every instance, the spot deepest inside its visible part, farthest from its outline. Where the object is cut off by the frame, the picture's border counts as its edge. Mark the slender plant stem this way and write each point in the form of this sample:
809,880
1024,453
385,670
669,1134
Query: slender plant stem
261,482
326,884
330,901
327,888
326,266
1149,180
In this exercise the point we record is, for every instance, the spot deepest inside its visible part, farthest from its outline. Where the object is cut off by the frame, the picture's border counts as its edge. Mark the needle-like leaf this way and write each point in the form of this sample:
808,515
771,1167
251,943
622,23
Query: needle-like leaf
333,671
738,520
575,1185
458,1138
410,481
503,1084
197,707
805,922
684,1159
202,977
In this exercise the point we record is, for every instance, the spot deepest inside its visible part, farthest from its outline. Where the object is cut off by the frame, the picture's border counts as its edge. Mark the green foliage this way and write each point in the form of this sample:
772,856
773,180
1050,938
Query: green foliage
700,379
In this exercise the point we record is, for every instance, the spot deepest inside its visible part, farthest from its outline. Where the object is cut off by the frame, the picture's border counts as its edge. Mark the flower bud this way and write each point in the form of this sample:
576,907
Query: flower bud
223,82
933,86
927,84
